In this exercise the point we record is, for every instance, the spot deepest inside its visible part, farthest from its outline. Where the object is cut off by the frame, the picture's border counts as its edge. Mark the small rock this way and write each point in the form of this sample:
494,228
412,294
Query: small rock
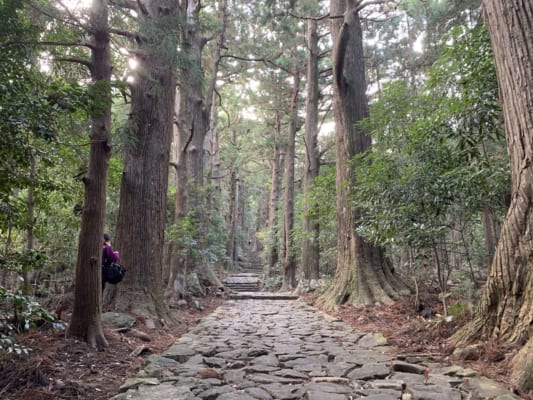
149,324
140,334
472,352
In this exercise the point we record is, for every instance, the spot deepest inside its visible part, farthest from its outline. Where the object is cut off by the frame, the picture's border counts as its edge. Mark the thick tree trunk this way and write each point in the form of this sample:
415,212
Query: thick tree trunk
143,197
310,244
194,114
288,262
86,322
505,311
277,163
363,274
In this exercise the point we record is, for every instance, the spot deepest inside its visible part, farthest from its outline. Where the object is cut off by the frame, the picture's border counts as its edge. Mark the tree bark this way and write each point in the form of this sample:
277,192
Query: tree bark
277,163
194,109
363,274
231,245
505,311
288,262
310,244
86,322
143,197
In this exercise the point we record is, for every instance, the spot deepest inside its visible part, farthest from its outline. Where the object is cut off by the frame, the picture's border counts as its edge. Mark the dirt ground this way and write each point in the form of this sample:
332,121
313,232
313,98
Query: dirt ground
60,368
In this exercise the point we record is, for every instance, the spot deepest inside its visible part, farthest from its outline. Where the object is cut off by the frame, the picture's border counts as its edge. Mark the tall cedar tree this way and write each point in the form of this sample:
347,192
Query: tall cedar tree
310,245
505,312
143,195
86,315
288,259
363,274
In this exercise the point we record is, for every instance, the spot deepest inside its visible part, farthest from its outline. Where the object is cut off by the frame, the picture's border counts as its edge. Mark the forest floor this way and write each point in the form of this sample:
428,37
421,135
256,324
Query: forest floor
60,368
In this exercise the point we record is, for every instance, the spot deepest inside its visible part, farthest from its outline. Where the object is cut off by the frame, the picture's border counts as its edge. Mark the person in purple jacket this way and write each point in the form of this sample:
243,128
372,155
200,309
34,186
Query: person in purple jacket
108,254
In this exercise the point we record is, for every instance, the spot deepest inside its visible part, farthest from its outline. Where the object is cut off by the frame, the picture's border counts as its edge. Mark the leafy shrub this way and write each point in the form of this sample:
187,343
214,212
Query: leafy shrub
18,313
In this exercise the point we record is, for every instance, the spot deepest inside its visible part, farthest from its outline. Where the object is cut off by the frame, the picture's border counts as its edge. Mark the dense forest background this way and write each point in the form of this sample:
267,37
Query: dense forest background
358,147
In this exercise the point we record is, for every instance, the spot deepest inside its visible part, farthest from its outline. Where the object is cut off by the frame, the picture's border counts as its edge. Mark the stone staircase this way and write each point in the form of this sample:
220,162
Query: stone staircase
243,282
249,279
246,284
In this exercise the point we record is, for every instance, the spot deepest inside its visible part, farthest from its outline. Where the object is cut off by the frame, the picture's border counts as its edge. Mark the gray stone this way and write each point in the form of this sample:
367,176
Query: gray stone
455,370
316,395
165,392
193,284
261,368
234,376
406,367
329,387
132,383
155,371
383,396
302,361
235,364
394,384
284,392
179,352
214,362
264,378
341,368
258,393
215,393
370,371
163,362
373,340
489,388
120,320
269,360
432,392
236,396
291,373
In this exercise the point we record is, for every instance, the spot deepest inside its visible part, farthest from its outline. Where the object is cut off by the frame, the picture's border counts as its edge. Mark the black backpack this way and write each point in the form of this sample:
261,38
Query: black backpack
112,273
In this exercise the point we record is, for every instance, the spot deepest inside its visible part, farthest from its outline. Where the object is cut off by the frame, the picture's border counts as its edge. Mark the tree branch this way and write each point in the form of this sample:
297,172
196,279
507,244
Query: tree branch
76,60
73,21
131,35
267,61
46,43
319,18
367,3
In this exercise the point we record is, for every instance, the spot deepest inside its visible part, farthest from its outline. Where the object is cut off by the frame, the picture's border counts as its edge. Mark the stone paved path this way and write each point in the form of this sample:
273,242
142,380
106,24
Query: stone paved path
278,349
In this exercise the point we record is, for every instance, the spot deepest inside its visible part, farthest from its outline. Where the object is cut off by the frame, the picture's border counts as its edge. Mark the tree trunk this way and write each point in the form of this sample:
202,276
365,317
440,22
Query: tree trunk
288,262
143,197
86,322
310,244
489,230
30,221
363,274
505,311
277,163
231,245
194,110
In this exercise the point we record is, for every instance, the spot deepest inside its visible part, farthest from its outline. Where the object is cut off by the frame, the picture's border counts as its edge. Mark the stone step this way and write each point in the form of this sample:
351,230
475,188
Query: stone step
262,296
243,288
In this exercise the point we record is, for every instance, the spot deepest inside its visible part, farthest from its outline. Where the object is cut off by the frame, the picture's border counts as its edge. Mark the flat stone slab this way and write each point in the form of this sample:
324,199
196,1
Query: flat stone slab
262,296
239,279
268,348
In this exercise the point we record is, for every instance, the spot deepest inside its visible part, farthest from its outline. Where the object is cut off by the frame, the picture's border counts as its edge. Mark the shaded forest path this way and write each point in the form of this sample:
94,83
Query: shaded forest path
262,349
